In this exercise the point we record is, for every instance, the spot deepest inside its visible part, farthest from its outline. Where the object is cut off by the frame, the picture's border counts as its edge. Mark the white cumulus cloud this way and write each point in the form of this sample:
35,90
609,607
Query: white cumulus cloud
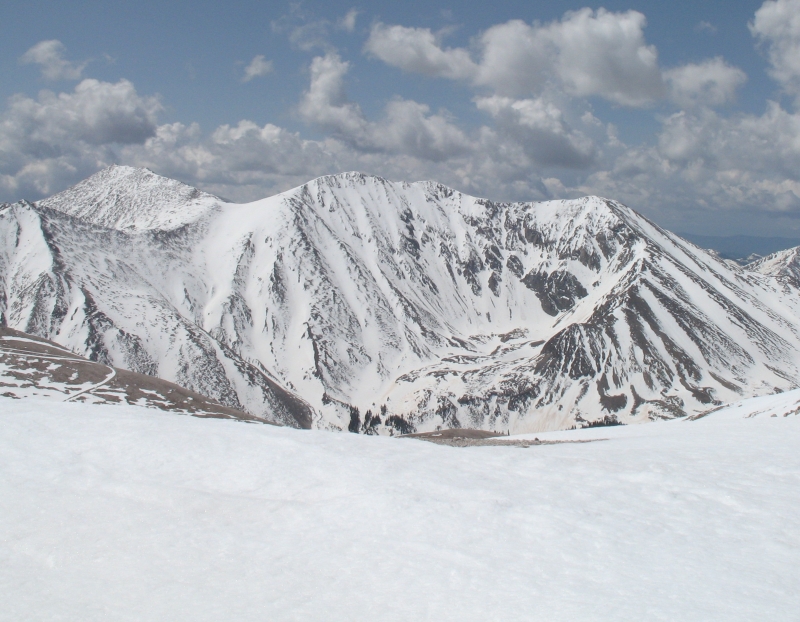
257,68
710,83
56,135
49,55
417,50
407,126
588,53
516,59
777,25
710,168
348,22
539,127
605,54
95,113
325,102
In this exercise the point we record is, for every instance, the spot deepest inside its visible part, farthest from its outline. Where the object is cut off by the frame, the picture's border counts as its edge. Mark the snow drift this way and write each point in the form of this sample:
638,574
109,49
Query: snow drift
112,513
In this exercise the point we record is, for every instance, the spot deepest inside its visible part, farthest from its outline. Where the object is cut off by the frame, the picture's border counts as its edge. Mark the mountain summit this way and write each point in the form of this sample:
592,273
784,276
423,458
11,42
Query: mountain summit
123,197
352,302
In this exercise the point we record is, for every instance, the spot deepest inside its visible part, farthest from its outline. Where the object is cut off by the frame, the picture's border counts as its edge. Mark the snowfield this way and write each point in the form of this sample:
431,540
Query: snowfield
123,513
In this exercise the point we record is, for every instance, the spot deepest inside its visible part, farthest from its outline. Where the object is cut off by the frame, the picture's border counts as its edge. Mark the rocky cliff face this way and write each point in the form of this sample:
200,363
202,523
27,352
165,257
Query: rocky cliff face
354,302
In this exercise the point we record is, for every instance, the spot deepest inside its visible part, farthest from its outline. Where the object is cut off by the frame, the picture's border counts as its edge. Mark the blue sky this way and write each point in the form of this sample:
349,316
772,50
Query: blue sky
686,111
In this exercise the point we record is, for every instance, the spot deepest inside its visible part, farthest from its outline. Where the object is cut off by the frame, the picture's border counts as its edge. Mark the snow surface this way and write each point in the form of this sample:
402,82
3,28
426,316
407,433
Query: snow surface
122,513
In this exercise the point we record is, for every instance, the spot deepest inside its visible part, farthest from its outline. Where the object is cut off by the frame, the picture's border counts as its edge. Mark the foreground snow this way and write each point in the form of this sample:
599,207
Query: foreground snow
121,513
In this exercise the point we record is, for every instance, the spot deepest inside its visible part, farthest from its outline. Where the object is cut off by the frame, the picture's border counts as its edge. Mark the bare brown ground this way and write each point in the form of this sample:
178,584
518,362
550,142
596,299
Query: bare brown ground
35,362
460,437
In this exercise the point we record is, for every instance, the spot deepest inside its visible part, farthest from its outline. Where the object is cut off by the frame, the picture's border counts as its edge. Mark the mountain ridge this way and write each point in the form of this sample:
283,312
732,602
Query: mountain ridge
395,306
38,368
129,198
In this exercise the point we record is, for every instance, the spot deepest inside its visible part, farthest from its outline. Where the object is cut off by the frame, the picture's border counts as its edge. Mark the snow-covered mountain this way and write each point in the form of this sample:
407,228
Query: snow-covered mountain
783,265
355,302
133,199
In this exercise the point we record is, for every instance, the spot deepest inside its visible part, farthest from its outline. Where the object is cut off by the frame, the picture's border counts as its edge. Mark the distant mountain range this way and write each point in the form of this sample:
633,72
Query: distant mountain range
741,248
352,302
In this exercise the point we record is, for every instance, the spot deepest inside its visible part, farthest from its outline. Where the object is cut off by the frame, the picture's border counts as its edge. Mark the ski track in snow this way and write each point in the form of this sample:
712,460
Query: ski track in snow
112,374
120,513
66,358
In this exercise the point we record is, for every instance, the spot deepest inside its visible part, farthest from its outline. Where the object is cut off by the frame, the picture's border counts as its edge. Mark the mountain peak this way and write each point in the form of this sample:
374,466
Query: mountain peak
126,197
785,265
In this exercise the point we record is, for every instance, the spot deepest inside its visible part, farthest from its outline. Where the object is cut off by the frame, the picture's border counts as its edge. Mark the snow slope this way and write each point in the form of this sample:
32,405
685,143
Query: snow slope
122,197
355,302
34,367
784,265
114,513
109,295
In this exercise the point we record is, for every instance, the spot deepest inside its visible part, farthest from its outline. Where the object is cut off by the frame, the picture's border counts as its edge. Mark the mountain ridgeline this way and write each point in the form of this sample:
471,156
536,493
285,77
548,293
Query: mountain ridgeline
357,303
